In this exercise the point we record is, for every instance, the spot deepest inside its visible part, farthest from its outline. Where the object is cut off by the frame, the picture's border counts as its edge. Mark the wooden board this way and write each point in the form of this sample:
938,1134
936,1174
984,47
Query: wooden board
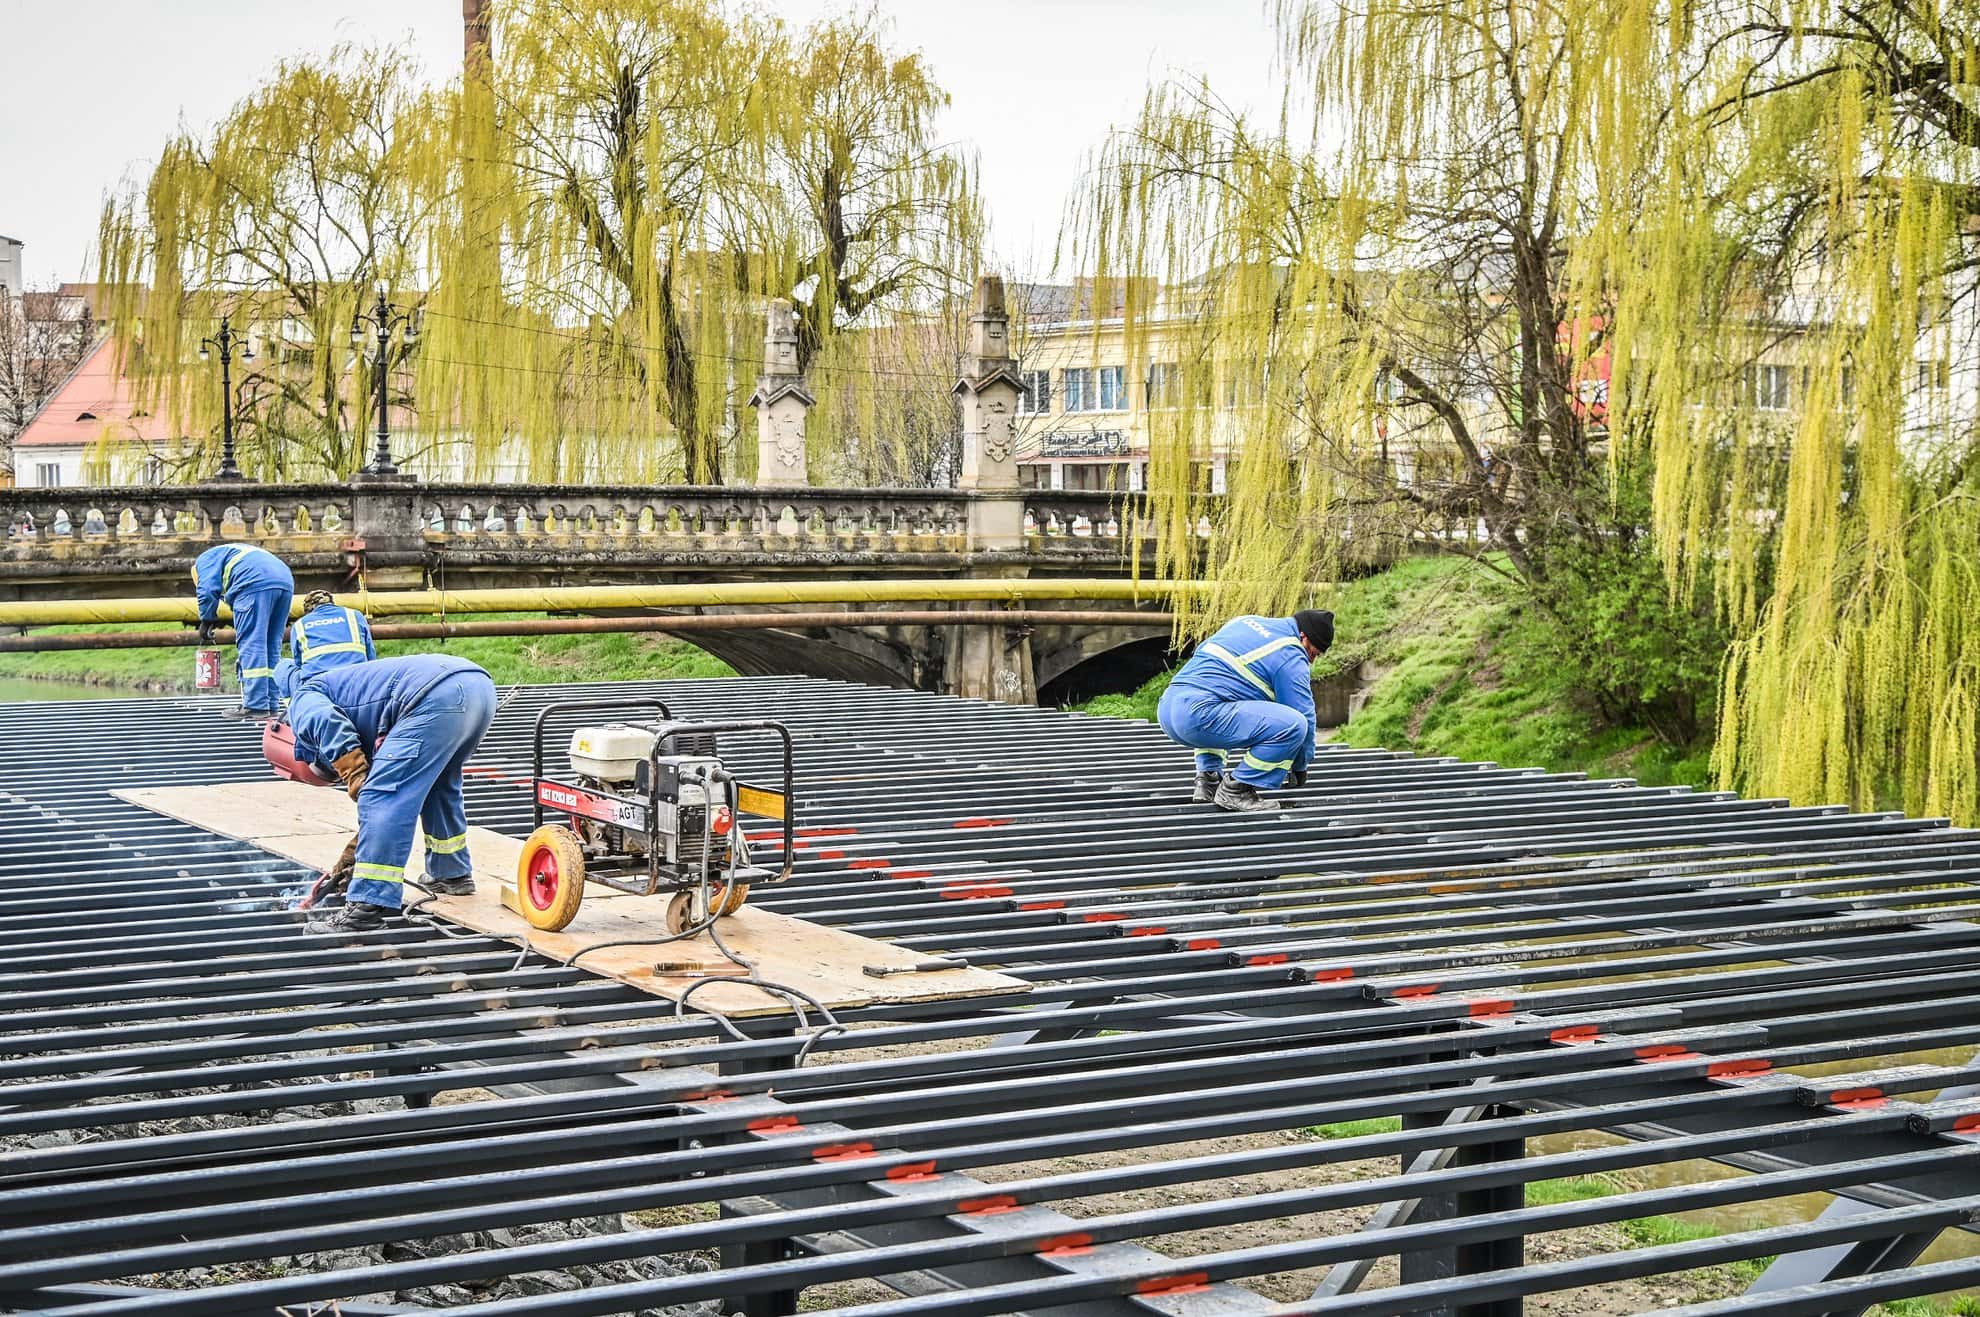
311,825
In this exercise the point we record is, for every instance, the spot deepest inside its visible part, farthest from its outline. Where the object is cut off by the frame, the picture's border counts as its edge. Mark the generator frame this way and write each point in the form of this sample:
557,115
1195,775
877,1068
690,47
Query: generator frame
609,869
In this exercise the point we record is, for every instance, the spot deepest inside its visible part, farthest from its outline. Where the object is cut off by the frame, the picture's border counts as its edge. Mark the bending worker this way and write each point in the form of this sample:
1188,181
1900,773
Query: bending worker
257,586
327,635
397,732
1244,703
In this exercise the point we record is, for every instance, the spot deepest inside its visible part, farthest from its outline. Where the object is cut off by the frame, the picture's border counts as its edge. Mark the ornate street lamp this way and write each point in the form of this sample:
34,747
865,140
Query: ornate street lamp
384,318
223,343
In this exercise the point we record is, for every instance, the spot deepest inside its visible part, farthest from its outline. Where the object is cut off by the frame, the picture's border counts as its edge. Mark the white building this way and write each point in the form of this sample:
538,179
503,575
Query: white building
12,278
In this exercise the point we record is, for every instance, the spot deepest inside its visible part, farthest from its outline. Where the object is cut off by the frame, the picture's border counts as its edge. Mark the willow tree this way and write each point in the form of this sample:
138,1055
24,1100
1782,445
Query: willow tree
879,214
593,216
886,413
1838,140
1375,304
1686,291
666,166
283,217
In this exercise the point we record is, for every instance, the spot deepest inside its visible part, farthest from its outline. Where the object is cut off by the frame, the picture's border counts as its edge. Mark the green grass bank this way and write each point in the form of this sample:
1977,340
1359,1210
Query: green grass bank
509,659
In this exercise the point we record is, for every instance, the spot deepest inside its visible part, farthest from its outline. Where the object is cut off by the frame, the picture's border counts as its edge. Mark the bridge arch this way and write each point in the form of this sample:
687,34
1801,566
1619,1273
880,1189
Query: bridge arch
1067,664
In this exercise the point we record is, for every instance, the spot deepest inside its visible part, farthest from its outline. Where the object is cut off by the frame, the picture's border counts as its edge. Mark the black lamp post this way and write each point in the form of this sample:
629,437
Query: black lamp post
383,319
224,342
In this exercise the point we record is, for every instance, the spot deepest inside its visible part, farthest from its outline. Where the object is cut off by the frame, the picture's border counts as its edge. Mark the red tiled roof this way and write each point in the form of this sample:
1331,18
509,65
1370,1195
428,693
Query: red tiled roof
94,402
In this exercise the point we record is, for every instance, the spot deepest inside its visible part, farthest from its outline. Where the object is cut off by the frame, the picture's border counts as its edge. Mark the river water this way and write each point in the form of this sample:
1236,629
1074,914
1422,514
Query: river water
14,690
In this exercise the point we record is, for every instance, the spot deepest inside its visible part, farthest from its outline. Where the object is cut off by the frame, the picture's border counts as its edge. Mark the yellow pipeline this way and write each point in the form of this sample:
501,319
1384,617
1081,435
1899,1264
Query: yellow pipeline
574,599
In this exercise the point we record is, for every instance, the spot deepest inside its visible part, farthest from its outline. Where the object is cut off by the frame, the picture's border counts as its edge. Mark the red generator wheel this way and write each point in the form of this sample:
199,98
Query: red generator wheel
550,877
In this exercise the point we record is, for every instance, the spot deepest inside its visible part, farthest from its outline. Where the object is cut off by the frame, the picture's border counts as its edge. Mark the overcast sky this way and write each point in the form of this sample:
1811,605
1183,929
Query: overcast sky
89,92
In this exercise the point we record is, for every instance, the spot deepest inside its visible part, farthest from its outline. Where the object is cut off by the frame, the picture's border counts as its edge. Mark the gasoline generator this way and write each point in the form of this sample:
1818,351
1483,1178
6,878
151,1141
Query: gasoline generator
650,808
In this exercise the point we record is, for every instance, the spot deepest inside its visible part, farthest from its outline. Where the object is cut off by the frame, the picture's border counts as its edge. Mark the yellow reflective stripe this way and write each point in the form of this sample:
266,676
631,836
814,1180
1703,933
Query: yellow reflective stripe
1253,761
1238,665
226,572
257,672
380,873
341,647
447,845
1281,643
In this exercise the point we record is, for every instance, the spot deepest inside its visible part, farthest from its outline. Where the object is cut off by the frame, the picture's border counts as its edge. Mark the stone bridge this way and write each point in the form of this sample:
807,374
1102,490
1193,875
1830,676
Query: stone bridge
398,534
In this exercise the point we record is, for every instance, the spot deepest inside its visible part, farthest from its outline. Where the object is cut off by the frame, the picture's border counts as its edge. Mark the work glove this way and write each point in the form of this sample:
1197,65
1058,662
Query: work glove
353,768
206,625
1296,778
337,881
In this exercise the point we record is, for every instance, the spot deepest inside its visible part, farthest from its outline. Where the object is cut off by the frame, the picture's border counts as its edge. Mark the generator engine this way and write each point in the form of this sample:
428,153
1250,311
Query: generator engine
693,826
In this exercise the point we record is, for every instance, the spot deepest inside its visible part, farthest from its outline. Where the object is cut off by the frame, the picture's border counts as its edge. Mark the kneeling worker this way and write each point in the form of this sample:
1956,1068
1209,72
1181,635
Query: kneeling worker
1244,703
257,586
398,732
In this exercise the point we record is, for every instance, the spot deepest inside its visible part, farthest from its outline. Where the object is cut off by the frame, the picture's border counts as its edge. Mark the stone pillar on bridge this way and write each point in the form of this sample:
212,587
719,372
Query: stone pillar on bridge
781,403
989,392
386,546
991,663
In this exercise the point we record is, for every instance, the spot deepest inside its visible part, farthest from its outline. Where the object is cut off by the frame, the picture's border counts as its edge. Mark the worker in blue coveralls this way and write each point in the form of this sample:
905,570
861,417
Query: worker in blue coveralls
397,732
1244,703
258,587
327,635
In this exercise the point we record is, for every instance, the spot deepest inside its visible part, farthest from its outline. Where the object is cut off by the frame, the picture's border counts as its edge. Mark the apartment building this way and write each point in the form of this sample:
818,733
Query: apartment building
1083,420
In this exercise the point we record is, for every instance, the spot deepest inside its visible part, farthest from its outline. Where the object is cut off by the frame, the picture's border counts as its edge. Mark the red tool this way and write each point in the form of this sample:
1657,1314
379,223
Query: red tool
278,747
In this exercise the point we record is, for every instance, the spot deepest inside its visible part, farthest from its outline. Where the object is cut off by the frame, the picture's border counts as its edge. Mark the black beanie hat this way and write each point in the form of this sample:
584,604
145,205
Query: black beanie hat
1317,625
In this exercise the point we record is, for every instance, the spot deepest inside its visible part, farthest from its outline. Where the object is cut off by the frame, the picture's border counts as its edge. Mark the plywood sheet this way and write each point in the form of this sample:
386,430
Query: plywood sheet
310,826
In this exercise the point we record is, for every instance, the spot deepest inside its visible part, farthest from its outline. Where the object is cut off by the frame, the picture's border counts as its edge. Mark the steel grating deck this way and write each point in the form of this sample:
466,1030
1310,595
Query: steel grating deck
205,1110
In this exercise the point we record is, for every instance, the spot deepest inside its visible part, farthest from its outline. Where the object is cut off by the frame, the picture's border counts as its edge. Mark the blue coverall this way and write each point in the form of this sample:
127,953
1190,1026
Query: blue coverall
258,587
1244,702
328,636
285,677
418,719
331,636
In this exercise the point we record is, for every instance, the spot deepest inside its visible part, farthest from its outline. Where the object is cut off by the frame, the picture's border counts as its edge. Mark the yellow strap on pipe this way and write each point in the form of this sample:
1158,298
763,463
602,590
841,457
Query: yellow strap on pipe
403,603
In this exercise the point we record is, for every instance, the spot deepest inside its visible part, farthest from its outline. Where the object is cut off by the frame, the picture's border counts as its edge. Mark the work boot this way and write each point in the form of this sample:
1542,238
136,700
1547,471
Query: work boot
1206,786
1243,798
246,715
350,917
461,886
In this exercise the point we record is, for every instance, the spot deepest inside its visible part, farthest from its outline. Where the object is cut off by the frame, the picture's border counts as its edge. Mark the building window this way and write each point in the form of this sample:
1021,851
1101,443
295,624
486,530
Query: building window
1113,388
1096,475
1034,392
1244,383
48,475
1164,385
1935,376
1769,387
1076,388
154,470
